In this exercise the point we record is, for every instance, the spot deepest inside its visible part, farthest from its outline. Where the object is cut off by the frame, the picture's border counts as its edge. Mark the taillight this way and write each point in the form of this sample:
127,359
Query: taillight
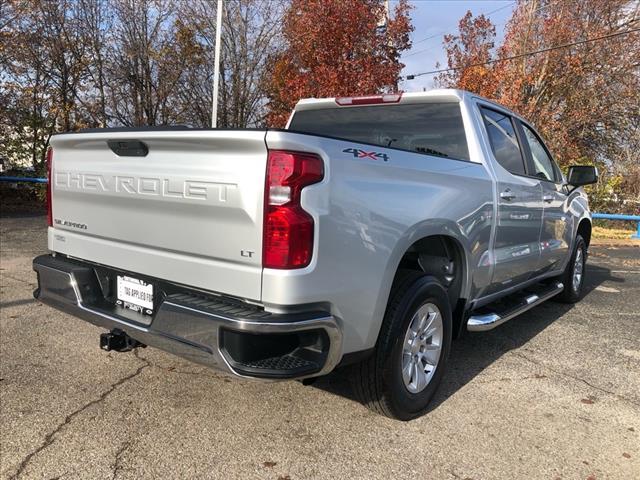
49,187
288,229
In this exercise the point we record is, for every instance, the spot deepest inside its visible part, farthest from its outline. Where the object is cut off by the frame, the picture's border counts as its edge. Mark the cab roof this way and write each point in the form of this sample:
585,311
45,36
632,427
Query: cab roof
437,95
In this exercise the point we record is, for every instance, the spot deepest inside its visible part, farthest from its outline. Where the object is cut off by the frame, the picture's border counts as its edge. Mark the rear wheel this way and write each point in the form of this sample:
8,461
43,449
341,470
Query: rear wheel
573,276
410,357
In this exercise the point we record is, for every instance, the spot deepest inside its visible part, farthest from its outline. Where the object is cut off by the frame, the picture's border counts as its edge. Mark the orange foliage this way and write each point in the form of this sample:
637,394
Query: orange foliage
472,46
573,94
336,48
583,98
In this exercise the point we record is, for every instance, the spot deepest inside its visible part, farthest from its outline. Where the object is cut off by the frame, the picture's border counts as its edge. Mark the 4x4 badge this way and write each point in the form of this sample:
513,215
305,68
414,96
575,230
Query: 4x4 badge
357,153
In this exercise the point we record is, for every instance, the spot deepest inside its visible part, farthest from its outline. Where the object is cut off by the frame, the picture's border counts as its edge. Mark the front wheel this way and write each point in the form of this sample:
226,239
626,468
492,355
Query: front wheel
403,373
573,276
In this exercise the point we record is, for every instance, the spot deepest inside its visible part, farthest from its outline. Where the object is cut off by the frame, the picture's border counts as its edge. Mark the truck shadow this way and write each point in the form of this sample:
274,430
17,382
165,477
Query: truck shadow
473,353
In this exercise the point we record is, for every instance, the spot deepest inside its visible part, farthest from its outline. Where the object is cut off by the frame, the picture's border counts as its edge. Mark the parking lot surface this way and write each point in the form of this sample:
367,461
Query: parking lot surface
552,394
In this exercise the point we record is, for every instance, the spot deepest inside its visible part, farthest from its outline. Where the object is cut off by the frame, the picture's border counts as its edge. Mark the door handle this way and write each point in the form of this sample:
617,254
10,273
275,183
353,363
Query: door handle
548,198
507,195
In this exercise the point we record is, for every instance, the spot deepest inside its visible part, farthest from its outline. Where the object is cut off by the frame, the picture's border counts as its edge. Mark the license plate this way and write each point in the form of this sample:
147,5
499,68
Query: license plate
135,294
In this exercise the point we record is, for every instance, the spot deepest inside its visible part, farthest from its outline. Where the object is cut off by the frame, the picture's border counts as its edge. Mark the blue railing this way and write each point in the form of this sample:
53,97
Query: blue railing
611,216
605,216
23,179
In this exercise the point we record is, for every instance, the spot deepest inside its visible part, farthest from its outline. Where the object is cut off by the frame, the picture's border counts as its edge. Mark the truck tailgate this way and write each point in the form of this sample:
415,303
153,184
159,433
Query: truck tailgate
189,211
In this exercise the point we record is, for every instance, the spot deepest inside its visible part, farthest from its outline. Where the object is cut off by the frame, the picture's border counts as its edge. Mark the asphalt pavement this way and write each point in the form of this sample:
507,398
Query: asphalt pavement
553,394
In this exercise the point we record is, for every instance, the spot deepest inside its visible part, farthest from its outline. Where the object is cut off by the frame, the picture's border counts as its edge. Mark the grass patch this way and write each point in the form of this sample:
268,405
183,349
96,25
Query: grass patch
606,232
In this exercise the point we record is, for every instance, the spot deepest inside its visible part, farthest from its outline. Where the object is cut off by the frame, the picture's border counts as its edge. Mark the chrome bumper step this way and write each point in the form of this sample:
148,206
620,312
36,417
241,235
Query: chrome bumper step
492,315
220,333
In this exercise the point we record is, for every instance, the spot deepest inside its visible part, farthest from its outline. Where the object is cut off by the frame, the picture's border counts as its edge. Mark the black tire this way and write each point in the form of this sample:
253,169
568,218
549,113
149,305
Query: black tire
571,293
377,381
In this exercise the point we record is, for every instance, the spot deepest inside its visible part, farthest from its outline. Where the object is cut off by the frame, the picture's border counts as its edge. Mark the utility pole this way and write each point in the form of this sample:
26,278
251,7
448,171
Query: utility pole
216,66
383,21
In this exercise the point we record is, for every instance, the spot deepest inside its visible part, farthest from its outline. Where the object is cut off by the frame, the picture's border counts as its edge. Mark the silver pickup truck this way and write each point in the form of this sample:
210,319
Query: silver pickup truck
369,233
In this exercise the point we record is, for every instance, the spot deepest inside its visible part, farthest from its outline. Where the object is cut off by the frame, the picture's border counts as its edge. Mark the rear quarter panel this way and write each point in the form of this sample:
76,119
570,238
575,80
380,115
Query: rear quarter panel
367,213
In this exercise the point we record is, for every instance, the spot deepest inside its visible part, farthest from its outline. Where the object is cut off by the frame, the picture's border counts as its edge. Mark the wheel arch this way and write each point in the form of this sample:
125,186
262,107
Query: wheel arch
421,238
584,230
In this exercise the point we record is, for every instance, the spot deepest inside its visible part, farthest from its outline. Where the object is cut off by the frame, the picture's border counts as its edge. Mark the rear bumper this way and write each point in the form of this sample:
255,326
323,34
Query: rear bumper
220,333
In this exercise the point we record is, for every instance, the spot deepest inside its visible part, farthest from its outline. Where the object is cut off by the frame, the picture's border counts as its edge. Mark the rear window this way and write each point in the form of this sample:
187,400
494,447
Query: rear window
430,128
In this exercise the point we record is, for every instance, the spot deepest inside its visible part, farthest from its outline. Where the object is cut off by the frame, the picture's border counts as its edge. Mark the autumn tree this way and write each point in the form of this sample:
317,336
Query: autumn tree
23,116
579,87
472,48
583,97
250,37
71,64
43,75
142,72
95,23
337,48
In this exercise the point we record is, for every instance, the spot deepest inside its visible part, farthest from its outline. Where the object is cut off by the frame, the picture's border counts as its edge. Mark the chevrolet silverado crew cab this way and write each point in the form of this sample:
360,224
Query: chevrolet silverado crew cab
369,232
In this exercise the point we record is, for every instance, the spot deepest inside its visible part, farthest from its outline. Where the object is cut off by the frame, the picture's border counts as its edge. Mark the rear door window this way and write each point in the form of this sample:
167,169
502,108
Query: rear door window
543,165
429,128
504,141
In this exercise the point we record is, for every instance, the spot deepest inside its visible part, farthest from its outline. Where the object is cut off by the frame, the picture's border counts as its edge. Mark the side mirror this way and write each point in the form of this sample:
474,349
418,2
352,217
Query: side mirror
579,175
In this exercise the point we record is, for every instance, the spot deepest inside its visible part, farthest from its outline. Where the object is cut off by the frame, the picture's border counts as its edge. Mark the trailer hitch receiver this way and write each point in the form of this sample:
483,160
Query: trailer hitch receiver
118,341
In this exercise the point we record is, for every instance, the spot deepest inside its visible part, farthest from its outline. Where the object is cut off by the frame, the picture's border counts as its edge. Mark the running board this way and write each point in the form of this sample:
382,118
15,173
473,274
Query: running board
482,322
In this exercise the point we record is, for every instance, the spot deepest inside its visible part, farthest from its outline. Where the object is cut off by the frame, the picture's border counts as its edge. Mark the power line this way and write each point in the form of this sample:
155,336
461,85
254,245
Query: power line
542,7
443,32
520,55
501,8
